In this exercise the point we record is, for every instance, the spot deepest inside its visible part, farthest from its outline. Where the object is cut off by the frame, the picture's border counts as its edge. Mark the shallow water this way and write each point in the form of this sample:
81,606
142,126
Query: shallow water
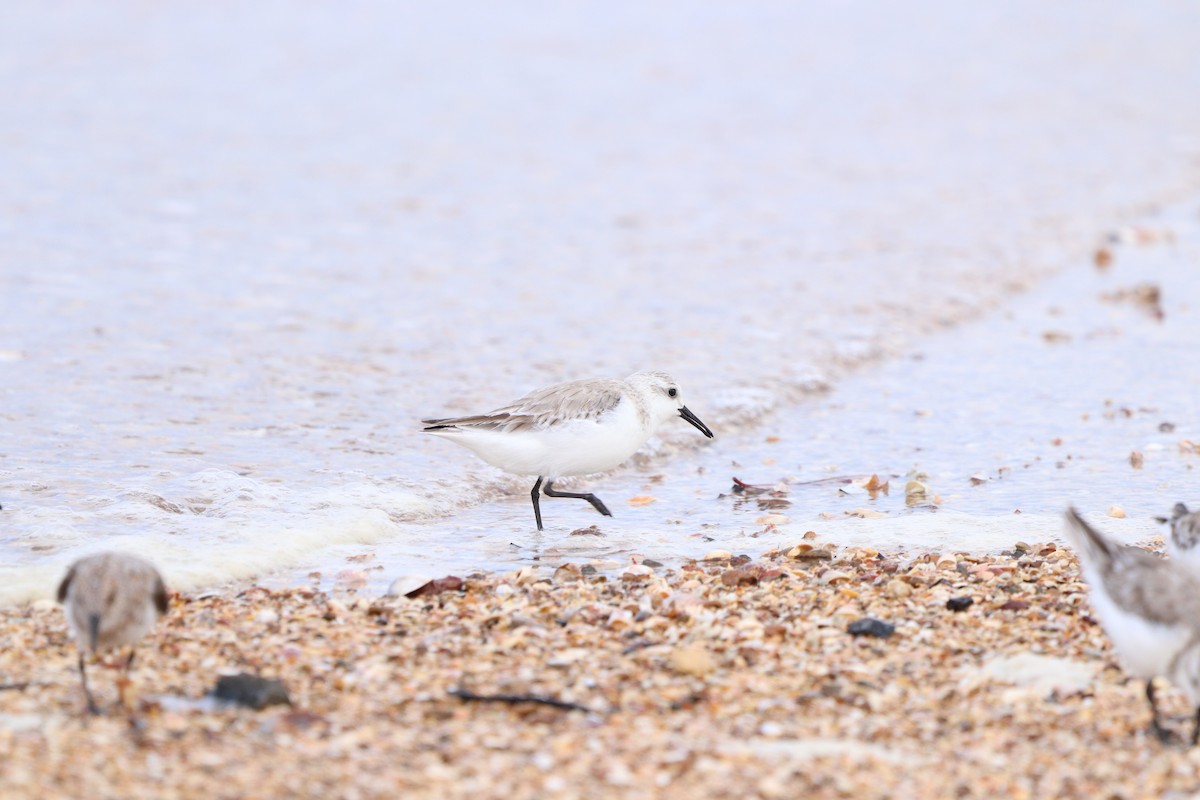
244,250
1011,419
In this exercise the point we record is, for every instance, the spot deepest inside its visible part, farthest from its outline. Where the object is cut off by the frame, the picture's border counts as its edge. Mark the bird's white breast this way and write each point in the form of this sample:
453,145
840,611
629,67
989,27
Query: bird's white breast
1144,648
568,447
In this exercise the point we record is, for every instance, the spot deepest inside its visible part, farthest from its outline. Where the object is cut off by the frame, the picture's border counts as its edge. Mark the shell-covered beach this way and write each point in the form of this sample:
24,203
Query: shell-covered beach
929,274
729,677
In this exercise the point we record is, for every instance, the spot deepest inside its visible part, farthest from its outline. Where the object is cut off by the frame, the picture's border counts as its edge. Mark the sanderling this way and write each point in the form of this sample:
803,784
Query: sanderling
111,600
1150,609
1184,536
573,428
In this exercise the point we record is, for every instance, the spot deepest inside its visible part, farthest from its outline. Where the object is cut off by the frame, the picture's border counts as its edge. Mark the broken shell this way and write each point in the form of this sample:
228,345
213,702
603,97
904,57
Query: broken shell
407,584
637,572
806,550
915,493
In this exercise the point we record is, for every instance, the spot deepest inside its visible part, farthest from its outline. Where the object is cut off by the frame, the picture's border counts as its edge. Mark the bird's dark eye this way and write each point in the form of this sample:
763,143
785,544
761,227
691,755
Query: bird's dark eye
672,392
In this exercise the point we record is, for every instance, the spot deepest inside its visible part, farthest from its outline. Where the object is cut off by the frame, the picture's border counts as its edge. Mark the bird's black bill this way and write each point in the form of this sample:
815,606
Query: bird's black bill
693,419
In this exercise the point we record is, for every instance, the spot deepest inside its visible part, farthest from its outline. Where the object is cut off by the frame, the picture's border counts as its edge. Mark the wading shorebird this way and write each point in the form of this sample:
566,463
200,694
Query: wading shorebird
574,428
111,600
1150,609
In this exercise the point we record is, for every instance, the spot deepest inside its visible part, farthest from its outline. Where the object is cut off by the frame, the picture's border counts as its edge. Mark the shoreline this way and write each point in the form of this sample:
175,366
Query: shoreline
253,526
722,678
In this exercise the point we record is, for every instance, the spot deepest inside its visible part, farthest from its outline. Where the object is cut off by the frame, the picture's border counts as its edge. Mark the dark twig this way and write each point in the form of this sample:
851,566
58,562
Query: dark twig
464,694
766,487
18,687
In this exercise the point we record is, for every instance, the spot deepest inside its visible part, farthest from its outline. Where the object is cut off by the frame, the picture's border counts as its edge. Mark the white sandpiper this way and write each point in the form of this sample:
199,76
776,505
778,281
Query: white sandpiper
573,428
111,600
1150,609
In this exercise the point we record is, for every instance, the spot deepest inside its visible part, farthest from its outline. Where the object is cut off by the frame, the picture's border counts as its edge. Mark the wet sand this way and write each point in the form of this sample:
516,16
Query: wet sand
724,678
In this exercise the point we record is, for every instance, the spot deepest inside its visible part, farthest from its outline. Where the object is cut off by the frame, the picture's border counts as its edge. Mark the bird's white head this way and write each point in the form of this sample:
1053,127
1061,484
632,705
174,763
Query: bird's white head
1185,531
663,399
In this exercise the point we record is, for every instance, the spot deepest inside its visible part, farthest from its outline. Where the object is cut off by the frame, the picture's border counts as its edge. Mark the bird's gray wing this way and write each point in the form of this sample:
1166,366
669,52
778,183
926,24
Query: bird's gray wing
544,408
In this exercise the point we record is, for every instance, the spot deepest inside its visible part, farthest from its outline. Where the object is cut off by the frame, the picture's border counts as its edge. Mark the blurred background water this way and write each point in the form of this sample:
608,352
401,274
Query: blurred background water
244,249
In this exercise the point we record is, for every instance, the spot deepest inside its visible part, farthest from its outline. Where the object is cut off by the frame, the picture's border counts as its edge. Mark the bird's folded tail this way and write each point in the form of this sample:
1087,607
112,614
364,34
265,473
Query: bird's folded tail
1089,542
497,421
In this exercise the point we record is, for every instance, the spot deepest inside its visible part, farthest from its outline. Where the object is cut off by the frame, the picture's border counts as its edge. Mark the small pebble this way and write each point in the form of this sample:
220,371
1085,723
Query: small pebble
693,659
251,691
869,626
959,603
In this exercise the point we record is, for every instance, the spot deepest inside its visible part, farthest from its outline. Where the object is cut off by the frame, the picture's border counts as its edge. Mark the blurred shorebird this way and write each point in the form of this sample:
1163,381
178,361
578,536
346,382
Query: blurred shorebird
111,600
574,428
1150,609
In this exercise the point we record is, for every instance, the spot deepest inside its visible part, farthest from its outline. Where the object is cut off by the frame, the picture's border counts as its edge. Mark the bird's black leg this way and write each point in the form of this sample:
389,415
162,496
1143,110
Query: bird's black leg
591,498
1162,733
537,509
1196,729
91,703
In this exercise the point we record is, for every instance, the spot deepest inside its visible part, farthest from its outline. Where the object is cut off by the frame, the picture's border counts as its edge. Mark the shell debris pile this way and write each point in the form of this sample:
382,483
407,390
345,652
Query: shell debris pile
728,678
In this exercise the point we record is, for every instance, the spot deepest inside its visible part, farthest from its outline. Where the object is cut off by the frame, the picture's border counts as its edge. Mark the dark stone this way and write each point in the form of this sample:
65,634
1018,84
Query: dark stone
251,691
869,626
650,562
959,603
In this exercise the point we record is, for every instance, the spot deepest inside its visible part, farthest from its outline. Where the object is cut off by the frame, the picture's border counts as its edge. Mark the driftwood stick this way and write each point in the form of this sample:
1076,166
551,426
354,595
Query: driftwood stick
18,687
766,487
513,699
